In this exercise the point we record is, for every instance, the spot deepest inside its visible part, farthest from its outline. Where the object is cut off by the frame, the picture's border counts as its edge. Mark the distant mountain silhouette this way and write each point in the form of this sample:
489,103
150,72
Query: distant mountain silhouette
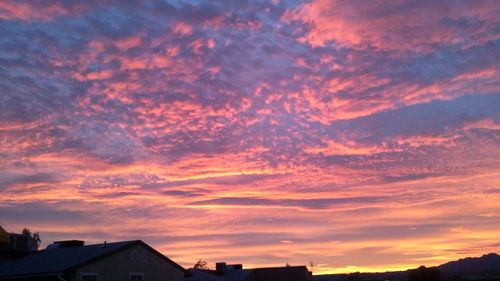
484,267
487,264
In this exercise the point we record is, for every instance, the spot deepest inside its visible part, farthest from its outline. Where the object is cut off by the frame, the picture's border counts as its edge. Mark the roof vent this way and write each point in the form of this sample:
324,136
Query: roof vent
66,244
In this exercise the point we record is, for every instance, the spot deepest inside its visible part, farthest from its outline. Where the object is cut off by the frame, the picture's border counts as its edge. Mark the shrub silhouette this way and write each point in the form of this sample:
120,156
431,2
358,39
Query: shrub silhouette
200,264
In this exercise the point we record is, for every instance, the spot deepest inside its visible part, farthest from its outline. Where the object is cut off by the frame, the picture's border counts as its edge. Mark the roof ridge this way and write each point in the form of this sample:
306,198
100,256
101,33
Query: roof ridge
117,242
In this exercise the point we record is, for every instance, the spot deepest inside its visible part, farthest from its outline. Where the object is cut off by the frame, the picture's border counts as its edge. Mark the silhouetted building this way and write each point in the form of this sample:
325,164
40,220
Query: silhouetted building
73,261
236,272
15,244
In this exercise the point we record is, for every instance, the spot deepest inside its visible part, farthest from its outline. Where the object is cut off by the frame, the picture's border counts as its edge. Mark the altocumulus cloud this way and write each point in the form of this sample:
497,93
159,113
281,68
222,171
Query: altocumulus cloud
336,125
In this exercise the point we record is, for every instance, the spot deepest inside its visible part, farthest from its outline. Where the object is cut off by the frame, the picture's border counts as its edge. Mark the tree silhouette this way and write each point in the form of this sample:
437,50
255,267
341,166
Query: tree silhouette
34,239
311,265
26,232
200,264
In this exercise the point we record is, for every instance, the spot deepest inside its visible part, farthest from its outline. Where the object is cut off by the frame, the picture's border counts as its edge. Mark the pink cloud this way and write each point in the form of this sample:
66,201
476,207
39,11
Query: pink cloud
394,25
129,42
29,12
182,28
230,124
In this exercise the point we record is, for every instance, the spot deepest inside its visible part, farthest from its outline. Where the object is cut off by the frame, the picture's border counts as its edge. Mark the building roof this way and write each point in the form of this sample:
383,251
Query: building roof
210,275
289,273
62,260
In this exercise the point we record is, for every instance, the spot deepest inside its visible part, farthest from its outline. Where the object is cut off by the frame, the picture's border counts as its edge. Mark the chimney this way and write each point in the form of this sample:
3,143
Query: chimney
220,268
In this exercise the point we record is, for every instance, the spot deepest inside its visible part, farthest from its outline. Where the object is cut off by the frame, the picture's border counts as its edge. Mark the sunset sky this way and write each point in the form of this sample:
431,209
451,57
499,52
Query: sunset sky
357,135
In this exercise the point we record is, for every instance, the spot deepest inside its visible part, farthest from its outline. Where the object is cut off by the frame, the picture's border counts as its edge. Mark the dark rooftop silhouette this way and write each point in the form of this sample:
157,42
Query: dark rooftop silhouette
288,273
58,260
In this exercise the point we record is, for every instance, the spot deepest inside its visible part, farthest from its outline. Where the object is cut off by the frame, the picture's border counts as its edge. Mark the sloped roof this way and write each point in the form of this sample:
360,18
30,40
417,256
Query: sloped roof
55,261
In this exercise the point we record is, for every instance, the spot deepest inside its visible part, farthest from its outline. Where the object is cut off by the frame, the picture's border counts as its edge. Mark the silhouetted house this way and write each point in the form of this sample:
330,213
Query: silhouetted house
236,272
15,245
73,261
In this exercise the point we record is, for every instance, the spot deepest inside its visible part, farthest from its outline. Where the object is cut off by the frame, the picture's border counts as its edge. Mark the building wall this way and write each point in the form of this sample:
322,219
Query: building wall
136,259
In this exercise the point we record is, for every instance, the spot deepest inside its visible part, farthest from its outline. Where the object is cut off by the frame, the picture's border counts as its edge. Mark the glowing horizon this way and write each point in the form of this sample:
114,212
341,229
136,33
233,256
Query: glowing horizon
360,136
